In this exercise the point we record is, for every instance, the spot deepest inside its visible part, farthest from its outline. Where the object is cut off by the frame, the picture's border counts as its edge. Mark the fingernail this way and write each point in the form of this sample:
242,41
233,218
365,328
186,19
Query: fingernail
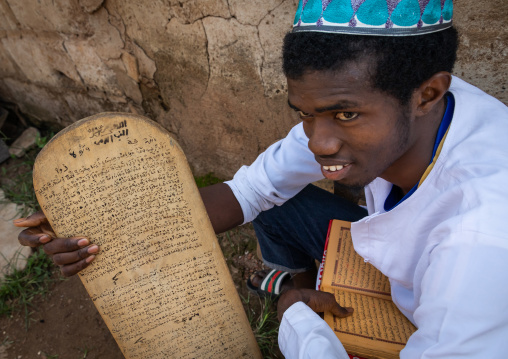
350,310
89,259
44,238
93,249
19,220
83,242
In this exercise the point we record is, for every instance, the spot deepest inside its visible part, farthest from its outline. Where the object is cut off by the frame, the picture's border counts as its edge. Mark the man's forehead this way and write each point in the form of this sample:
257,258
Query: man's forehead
353,76
349,88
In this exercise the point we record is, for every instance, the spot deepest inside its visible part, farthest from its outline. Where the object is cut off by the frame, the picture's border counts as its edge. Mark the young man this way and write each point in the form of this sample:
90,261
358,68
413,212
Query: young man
379,110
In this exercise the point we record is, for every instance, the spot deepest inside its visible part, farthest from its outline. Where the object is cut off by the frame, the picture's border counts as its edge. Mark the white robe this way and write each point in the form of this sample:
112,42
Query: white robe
444,249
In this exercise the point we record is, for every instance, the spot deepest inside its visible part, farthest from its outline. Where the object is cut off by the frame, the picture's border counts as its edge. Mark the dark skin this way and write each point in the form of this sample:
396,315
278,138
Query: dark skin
356,133
369,133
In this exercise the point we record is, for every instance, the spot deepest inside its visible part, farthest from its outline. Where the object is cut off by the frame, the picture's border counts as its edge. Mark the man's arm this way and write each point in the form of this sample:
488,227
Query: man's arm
222,207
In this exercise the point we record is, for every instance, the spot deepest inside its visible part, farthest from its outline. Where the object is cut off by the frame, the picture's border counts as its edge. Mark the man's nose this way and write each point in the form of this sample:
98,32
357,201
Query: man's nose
324,137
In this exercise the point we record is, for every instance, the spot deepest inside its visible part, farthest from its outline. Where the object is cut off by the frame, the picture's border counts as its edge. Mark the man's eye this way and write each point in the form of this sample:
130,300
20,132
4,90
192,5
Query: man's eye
304,114
346,116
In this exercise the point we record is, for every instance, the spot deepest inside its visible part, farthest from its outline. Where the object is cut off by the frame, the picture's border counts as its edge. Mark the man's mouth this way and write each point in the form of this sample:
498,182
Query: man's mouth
334,168
335,172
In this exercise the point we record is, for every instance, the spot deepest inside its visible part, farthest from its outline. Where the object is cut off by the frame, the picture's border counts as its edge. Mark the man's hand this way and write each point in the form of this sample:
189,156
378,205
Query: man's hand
71,254
317,301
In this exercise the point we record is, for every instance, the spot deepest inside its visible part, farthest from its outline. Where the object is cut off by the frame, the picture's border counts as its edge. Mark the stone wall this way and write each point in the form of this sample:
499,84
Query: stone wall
207,70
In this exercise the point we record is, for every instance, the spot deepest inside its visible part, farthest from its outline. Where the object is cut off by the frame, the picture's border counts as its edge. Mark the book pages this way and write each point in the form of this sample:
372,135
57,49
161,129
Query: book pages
373,319
354,274
377,329
160,280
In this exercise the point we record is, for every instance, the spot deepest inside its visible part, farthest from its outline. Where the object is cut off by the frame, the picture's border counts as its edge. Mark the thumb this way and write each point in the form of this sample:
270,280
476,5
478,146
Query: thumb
325,302
341,312
34,220
331,305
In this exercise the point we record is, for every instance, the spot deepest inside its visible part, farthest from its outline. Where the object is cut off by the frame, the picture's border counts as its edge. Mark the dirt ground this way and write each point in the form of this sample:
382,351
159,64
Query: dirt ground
65,324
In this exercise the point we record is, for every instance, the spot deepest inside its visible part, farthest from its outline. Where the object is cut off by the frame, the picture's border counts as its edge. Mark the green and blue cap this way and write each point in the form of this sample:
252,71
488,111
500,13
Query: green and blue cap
374,17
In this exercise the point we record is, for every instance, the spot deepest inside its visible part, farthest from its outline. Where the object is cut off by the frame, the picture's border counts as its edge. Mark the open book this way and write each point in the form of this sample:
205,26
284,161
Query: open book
377,329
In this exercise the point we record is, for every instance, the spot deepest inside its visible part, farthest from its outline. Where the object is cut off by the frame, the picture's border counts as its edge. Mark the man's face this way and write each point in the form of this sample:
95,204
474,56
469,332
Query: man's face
356,133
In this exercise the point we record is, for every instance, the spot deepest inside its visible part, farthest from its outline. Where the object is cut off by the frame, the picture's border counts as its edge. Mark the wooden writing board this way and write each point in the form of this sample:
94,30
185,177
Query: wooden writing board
160,281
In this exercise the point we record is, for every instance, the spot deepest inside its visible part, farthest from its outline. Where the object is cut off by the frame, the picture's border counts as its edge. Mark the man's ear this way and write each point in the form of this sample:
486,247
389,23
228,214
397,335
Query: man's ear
431,92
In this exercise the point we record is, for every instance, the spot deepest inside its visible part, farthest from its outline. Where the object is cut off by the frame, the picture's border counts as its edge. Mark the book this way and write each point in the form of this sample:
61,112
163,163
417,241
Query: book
160,281
376,329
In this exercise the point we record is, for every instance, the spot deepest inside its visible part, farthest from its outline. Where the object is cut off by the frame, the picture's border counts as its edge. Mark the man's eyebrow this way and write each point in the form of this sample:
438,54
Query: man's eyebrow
341,105
293,106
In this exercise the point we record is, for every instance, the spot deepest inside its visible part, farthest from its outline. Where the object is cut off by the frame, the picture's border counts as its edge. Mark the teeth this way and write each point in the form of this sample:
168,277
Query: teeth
333,168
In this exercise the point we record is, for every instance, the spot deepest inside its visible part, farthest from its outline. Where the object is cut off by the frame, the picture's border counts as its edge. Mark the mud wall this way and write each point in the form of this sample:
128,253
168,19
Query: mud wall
207,70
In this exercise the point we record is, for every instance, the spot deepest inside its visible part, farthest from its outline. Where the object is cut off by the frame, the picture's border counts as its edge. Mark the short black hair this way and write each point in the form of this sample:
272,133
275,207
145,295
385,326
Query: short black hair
403,63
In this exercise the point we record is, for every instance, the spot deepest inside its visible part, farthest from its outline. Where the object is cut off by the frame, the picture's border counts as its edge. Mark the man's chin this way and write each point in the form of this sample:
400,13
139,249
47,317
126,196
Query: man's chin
353,187
351,192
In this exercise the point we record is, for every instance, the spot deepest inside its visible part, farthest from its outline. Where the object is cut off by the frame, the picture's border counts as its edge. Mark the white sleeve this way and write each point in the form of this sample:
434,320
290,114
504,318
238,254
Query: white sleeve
463,309
304,335
277,175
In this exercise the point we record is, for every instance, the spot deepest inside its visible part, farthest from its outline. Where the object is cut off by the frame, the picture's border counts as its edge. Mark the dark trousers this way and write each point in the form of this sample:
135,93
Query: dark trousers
293,235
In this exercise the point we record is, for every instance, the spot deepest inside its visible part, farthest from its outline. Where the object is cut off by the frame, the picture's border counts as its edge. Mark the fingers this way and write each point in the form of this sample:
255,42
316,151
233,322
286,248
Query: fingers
342,312
33,237
71,254
75,256
317,301
325,302
39,231
62,245
71,269
34,220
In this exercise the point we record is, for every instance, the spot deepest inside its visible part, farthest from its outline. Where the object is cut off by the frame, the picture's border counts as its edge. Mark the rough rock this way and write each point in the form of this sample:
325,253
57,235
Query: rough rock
13,255
56,16
7,19
4,151
24,142
43,60
90,6
483,50
145,22
131,66
9,67
92,70
3,116
146,65
41,105
106,39
270,35
252,12
209,71
193,10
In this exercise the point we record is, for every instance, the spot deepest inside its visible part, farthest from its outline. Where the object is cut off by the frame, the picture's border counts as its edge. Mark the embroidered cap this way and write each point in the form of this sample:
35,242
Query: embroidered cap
374,17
